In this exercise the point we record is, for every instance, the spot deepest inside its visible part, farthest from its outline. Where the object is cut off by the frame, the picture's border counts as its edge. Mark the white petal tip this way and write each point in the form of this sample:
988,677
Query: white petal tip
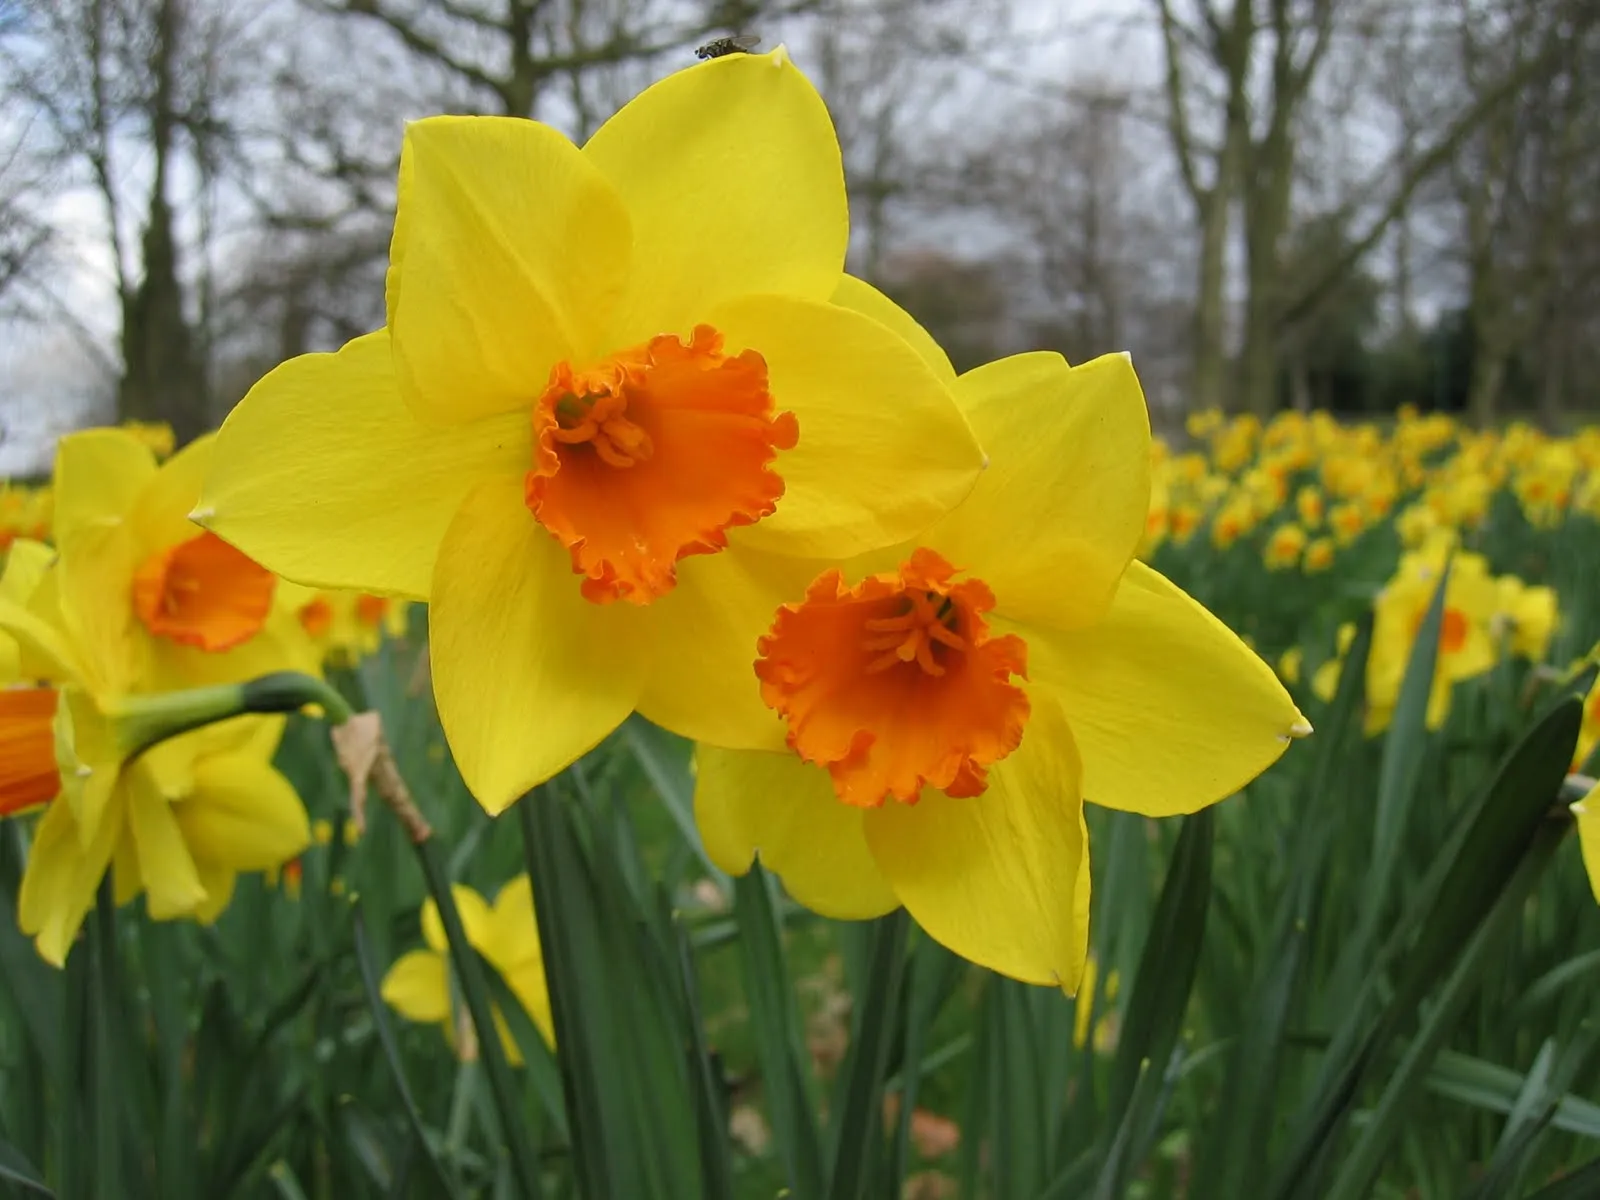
1578,809
780,55
1300,729
202,514
84,770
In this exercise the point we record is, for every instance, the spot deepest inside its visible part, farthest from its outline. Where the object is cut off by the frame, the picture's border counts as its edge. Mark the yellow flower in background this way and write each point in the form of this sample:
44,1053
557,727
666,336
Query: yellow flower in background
418,985
1319,555
156,436
921,770
134,603
1284,547
1466,647
346,626
622,389
25,512
1289,665
1589,732
186,819
1348,521
1528,614
1587,812
1309,505
175,605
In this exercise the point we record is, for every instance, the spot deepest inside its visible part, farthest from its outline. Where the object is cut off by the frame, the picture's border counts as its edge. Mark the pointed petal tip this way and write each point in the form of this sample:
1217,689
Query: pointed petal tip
202,514
1301,728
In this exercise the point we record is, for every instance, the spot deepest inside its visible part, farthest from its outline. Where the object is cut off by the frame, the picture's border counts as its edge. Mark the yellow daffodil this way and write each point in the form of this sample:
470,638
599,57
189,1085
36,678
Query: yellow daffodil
183,820
619,389
156,435
1289,665
25,512
920,769
1589,732
1528,614
174,605
1319,555
1587,812
346,626
1308,504
418,985
1466,646
1284,547
183,817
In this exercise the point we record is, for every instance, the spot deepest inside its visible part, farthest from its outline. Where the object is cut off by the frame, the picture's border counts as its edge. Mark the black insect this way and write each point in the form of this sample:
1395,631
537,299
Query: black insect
739,43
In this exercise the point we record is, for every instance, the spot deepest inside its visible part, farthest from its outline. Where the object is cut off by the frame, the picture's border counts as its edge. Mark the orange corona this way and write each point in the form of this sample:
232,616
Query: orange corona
896,684
652,456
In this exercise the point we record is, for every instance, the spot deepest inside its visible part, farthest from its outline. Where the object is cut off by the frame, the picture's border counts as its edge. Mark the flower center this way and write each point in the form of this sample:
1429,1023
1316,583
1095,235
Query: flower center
203,593
370,610
896,684
1453,629
652,456
316,617
29,774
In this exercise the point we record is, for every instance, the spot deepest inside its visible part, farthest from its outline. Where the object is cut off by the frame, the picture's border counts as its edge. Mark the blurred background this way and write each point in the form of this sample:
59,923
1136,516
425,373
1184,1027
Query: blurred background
1346,204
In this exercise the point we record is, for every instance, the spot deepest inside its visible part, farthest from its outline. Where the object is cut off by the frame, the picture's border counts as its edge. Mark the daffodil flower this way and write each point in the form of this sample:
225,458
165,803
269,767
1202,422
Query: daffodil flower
418,985
182,820
614,400
1587,814
1466,643
948,705
345,626
159,602
178,814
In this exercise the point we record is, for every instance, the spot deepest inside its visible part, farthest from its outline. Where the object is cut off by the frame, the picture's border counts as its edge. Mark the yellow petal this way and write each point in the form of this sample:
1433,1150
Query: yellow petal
418,987
161,514
510,252
242,814
219,883
995,877
732,176
528,675
1170,710
527,981
1587,811
322,474
883,449
860,296
98,475
172,884
703,683
512,932
44,651
26,564
94,582
475,919
748,802
59,883
1061,508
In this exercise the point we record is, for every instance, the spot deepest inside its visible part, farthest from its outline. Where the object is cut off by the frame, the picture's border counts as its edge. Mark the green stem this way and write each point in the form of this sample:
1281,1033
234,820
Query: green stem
146,720
290,691
475,990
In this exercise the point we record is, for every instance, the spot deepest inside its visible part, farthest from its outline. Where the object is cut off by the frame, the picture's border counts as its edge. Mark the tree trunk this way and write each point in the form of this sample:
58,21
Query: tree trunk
162,378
